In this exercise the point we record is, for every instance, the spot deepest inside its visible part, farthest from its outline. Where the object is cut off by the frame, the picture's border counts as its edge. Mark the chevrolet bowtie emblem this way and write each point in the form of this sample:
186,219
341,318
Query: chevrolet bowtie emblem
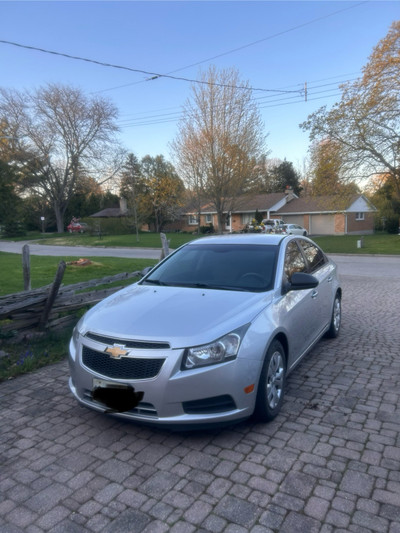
117,351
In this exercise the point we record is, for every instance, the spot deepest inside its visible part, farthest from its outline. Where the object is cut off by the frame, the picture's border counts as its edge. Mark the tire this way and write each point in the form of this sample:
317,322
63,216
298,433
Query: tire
336,320
271,385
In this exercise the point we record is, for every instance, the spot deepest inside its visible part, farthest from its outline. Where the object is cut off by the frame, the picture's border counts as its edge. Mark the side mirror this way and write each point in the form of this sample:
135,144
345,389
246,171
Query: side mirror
301,281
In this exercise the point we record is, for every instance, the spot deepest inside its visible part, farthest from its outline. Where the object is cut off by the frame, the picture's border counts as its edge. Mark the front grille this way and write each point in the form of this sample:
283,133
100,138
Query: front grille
124,368
144,345
205,406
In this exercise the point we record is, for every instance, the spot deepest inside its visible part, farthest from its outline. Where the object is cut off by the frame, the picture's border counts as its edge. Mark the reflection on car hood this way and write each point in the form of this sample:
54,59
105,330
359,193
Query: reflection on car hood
181,316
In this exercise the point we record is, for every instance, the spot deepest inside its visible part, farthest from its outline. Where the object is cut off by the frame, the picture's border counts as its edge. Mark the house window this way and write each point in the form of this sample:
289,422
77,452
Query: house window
193,220
359,216
247,218
208,219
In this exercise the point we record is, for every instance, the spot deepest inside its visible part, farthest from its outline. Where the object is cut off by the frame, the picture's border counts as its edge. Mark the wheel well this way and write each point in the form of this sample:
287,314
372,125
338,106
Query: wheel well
283,340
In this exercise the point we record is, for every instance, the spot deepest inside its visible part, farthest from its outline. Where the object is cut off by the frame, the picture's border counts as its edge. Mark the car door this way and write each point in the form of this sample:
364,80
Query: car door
322,269
298,308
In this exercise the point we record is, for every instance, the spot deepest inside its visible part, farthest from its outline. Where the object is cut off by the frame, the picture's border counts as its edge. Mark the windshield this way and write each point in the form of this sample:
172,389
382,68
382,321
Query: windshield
218,266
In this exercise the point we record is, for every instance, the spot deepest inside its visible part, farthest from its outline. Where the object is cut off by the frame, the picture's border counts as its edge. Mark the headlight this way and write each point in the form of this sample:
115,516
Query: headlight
75,336
219,351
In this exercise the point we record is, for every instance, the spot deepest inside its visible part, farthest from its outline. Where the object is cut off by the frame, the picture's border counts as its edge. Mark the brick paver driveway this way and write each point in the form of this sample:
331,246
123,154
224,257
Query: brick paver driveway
329,463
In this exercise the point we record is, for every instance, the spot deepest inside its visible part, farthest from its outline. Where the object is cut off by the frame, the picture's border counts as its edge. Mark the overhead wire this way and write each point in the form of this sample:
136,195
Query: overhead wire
264,102
154,75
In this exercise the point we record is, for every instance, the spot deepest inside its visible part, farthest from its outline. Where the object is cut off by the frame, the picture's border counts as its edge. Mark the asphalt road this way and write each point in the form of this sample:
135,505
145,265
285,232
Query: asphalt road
349,265
80,251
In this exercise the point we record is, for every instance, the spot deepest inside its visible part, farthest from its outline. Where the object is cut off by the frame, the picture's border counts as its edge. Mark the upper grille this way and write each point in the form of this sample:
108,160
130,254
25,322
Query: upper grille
144,345
124,368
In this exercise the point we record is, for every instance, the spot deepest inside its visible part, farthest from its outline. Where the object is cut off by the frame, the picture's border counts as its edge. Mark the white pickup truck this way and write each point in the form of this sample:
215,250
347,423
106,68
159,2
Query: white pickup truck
273,225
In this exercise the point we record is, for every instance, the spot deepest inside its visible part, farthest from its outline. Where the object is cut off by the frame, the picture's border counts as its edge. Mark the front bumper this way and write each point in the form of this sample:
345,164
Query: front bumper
221,393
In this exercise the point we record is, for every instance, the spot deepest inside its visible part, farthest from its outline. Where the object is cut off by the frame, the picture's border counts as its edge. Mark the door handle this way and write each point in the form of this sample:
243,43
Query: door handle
314,294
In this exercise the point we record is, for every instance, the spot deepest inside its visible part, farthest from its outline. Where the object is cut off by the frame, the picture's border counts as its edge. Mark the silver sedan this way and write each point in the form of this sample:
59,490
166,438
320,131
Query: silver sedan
294,229
209,334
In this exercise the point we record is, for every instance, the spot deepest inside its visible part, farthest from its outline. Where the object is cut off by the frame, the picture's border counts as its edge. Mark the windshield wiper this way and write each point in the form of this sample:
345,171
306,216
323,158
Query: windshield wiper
154,282
211,286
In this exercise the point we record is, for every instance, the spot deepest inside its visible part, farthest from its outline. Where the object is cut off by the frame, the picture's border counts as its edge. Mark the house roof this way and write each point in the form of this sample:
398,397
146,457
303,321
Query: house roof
260,202
245,204
326,204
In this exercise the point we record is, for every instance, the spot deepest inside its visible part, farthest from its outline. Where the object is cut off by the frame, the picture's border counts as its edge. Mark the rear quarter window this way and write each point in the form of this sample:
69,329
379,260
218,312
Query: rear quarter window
314,255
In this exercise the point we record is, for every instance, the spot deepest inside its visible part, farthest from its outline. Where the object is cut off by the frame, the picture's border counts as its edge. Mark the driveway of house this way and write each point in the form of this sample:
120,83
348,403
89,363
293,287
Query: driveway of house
329,463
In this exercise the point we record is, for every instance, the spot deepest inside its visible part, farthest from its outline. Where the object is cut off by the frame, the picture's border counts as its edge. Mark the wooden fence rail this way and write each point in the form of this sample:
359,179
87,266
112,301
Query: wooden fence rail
52,306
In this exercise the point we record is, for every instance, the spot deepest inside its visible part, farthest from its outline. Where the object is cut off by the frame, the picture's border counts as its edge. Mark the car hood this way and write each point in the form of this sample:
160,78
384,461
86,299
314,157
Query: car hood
179,315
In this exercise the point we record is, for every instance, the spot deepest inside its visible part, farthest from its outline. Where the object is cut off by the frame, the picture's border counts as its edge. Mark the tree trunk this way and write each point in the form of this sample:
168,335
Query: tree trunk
59,219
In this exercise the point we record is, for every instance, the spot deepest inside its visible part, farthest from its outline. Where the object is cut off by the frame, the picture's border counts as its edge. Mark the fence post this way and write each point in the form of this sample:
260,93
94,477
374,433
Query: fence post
52,295
26,267
165,246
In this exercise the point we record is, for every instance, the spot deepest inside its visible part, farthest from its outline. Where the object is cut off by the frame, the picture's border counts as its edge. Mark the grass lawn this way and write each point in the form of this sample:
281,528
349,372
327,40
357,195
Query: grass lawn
44,268
146,240
378,243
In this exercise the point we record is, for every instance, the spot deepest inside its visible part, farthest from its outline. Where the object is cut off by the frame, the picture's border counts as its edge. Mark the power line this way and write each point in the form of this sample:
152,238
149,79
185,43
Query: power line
130,118
154,75
173,114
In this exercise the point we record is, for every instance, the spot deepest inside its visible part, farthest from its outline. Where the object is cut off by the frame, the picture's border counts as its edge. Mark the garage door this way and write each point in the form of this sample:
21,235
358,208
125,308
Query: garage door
322,224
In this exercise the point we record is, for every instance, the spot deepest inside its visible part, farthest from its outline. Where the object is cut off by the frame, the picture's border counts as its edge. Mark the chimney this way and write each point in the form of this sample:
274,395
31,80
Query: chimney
289,193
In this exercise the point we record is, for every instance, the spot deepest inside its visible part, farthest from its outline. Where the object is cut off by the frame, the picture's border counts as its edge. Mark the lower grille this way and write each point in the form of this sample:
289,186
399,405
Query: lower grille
124,368
217,404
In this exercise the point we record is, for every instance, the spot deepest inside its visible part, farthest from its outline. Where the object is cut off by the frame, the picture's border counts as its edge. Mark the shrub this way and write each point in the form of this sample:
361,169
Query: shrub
392,224
207,229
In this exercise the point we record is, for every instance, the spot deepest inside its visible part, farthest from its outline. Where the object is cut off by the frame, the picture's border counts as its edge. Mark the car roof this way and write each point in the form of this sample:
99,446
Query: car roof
241,238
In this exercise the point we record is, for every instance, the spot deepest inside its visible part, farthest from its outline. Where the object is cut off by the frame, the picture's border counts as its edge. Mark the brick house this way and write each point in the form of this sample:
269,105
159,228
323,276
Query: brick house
243,212
330,215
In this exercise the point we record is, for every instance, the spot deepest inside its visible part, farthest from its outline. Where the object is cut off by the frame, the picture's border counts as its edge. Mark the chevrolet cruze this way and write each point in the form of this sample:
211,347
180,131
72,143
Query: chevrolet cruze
208,335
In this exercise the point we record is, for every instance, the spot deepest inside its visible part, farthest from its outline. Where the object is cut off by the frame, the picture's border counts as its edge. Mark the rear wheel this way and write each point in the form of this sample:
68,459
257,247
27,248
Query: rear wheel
336,319
272,382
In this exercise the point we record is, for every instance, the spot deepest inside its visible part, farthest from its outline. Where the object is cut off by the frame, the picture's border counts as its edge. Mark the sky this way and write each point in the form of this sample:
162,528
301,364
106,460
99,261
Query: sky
278,47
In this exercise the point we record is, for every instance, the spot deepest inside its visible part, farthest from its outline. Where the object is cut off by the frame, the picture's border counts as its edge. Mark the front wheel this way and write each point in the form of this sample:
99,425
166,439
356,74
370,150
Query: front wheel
336,319
272,383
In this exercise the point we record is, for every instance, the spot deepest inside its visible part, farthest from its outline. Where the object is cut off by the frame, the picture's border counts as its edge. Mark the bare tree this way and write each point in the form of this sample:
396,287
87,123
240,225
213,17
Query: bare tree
60,135
220,139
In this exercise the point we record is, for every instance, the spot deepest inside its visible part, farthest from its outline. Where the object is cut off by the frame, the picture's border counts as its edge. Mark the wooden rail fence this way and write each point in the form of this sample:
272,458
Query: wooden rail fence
52,306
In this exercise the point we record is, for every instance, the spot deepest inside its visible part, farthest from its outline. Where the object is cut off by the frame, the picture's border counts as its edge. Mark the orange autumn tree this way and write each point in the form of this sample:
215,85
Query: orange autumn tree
365,123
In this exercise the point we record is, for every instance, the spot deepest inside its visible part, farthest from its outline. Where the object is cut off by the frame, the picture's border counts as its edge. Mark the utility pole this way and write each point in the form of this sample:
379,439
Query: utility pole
305,91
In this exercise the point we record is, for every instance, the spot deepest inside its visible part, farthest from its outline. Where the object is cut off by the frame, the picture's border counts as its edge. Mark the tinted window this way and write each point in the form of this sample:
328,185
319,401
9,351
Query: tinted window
314,255
294,260
219,266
